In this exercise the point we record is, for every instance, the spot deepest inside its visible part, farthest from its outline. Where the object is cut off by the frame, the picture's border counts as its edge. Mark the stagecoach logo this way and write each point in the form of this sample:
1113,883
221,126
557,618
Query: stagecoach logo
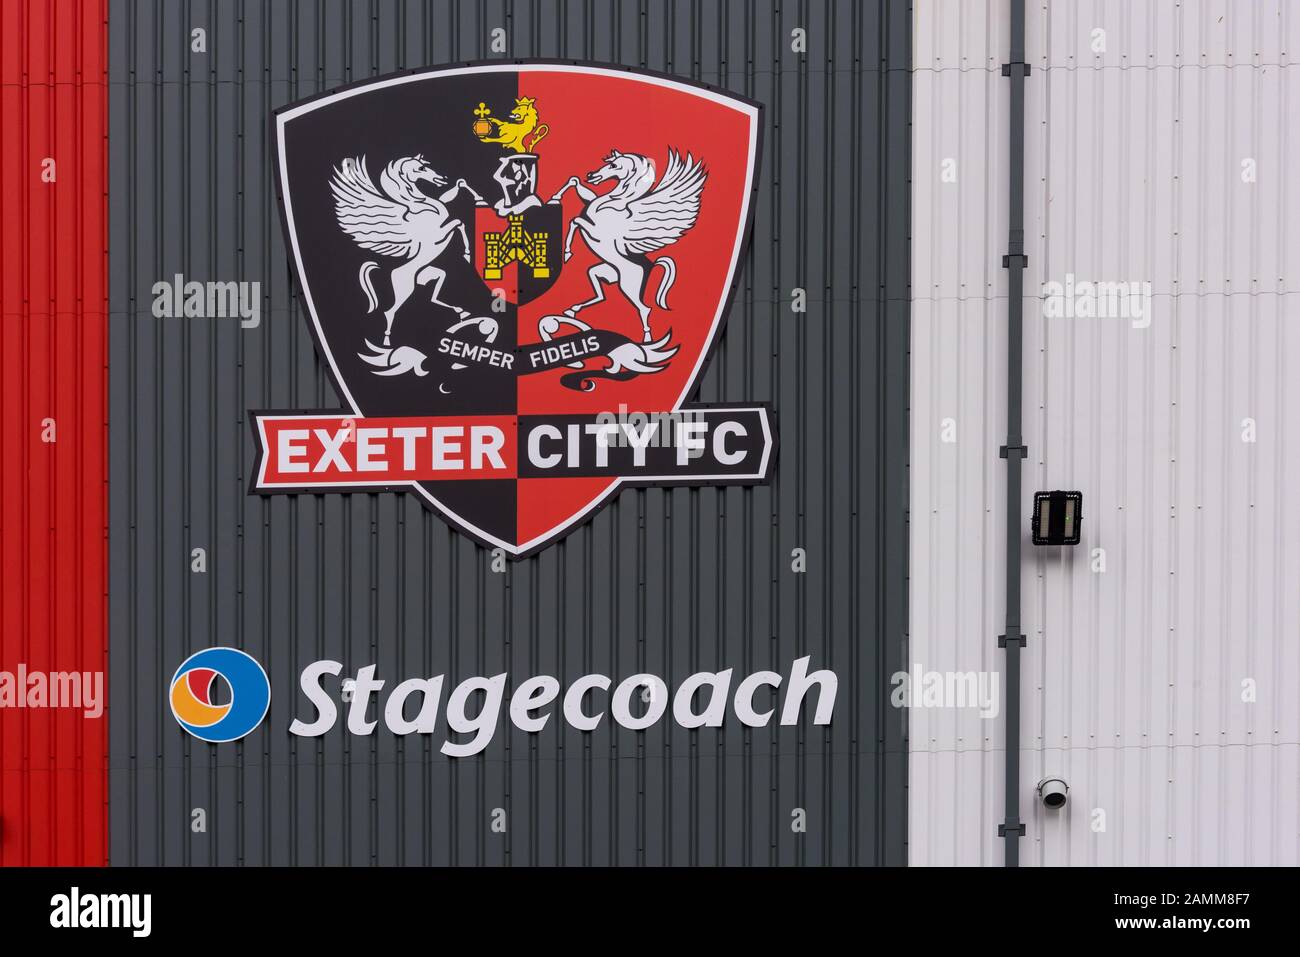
515,274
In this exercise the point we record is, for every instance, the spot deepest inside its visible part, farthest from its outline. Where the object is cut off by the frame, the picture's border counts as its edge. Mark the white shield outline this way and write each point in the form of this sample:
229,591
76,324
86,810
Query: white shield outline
751,110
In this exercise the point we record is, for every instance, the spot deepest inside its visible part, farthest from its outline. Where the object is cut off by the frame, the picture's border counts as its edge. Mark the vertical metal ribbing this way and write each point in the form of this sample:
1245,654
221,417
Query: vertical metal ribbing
325,565
1011,829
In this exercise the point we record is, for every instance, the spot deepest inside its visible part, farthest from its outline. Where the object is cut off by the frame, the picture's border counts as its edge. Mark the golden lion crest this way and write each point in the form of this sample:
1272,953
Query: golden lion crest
513,133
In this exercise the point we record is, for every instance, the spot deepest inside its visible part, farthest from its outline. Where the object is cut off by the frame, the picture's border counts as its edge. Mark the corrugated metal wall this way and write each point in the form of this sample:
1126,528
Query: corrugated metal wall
665,581
53,428
1141,141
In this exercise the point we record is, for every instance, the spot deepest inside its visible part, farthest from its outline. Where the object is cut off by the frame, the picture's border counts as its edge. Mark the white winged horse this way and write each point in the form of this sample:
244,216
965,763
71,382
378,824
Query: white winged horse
631,220
402,221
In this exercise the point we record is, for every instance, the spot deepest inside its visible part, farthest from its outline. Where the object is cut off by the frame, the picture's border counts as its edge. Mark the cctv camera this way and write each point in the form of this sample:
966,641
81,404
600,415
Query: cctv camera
1053,792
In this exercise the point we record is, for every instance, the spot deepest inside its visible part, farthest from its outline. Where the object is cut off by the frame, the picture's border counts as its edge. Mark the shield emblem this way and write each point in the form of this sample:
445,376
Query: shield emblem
515,274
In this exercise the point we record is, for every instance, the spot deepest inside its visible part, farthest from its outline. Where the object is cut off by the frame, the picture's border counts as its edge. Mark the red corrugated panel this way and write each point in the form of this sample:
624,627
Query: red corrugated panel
53,354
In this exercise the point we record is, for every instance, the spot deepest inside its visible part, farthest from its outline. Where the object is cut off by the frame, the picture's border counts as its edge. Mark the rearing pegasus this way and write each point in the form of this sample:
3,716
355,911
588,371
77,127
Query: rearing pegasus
631,220
401,221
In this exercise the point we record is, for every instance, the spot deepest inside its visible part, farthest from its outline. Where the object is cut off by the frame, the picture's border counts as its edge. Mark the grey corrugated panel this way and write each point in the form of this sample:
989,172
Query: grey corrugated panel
669,581
1133,678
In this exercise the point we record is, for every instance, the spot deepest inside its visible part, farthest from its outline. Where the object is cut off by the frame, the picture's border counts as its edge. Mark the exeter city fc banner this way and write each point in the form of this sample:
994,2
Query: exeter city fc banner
515,274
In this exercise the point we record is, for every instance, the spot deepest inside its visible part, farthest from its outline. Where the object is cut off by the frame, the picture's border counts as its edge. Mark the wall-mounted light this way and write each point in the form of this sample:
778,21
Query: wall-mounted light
1057,517
1053,792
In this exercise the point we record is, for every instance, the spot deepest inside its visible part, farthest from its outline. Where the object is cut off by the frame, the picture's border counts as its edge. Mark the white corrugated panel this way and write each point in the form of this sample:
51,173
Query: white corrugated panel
1161,144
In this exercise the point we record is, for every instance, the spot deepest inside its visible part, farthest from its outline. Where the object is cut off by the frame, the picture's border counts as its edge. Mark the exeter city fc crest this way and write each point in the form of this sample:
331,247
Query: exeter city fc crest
515,274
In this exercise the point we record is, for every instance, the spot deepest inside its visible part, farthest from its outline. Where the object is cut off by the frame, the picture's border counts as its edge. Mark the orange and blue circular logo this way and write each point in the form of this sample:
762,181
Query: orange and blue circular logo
225,674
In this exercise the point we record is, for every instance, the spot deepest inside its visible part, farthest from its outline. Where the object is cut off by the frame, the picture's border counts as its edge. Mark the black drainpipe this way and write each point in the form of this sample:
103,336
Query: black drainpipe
1015,261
